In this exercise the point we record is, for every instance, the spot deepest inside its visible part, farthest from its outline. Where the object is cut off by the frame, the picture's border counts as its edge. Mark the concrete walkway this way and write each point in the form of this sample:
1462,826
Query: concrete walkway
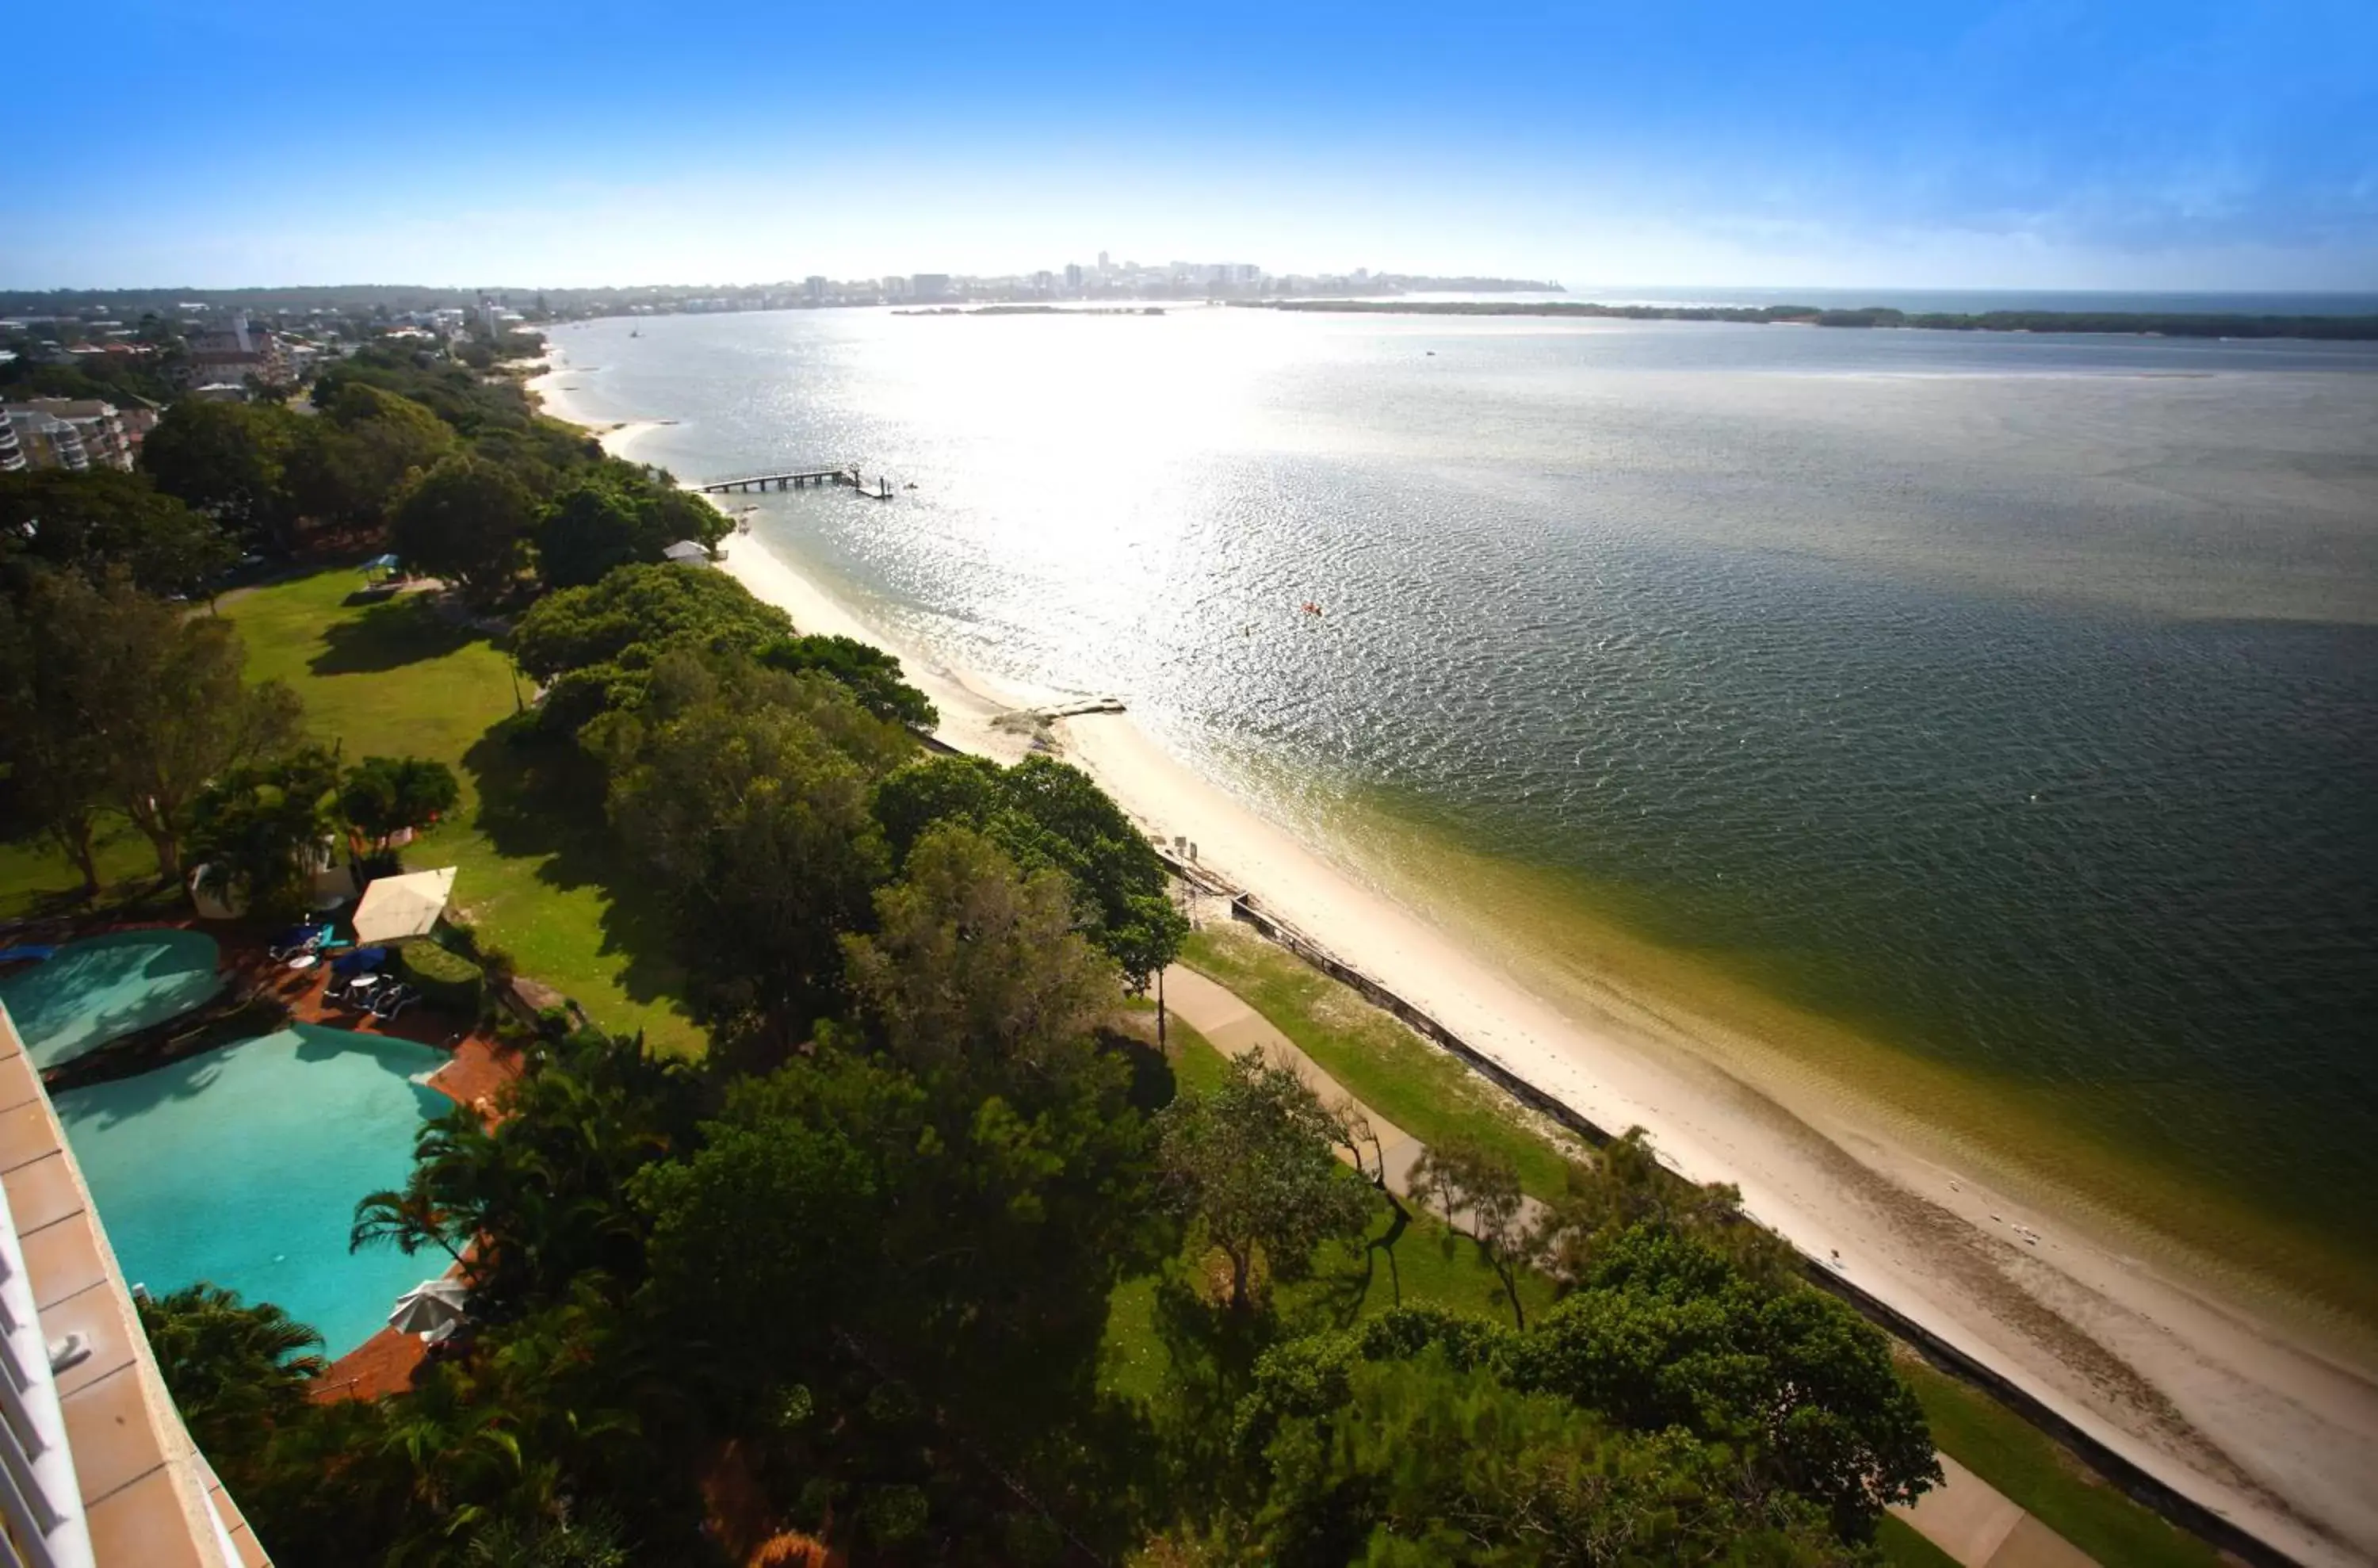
1964,1517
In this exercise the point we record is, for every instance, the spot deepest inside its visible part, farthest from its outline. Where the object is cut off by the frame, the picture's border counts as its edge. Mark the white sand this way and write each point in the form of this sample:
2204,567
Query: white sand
2226,1409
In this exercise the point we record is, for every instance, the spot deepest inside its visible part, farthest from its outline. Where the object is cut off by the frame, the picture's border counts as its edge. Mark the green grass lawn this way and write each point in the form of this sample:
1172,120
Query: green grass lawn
537,877
2037,1472
534,863
36,879
1415,1084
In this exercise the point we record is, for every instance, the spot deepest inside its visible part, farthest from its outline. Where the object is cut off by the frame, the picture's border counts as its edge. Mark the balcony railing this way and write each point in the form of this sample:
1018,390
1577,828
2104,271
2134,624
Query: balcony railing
41,1521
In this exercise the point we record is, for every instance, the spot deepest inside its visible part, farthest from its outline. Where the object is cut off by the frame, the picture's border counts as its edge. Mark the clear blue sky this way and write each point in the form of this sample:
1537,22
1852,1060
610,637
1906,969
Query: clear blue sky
2175,144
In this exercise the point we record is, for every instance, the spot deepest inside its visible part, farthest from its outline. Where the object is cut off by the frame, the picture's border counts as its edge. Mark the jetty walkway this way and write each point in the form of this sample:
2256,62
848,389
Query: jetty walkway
801,478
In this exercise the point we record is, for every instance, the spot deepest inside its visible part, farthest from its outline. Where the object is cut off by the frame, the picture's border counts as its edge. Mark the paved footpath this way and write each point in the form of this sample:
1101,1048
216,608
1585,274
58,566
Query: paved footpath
1964,1517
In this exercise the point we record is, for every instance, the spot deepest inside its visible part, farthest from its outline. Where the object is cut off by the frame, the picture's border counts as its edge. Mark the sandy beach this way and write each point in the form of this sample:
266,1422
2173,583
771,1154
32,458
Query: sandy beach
2245,1416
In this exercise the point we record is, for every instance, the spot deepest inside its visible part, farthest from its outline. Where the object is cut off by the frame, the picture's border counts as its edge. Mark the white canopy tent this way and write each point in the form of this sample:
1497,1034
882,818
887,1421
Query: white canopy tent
394,907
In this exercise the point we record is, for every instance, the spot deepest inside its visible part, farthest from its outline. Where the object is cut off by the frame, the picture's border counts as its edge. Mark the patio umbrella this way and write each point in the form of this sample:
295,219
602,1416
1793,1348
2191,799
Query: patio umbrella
379,563
429,1308
362,961
394,907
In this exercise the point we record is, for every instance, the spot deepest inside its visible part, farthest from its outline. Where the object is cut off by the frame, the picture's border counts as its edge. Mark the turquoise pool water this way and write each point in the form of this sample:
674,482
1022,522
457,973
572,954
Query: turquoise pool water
89,991
242,1166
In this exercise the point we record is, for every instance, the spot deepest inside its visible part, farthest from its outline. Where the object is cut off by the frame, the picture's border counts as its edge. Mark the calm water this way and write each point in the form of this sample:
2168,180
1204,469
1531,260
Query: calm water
242,1167
91,991
2016,698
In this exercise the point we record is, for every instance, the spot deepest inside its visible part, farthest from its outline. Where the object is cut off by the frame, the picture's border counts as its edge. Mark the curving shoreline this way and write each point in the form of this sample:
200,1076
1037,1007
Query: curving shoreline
2241,1416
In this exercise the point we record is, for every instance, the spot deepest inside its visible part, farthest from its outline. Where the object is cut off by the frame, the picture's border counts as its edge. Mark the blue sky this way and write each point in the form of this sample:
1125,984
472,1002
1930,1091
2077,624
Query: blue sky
2044,143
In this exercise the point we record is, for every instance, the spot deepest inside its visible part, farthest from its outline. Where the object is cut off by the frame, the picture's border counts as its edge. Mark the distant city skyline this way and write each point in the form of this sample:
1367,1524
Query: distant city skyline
2188,145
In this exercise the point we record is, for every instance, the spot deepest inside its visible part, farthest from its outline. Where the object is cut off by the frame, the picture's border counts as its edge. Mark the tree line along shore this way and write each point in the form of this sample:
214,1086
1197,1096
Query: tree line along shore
2174,324
910,1247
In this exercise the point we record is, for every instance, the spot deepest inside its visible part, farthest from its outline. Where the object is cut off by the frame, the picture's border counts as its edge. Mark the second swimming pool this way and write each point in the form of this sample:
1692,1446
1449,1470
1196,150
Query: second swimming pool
89,991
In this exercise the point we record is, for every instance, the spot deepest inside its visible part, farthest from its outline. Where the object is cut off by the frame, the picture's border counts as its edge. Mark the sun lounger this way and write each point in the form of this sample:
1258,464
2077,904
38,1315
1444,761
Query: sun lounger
391,999
356,990
297,940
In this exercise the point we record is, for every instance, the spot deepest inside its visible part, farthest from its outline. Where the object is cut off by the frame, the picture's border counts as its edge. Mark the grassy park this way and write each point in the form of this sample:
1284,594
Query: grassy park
395,678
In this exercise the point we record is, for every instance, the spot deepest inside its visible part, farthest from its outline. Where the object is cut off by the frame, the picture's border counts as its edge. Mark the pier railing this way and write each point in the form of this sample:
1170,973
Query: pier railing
801,478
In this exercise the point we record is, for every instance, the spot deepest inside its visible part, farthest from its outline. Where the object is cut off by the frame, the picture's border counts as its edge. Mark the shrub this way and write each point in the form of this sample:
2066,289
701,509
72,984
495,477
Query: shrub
448,980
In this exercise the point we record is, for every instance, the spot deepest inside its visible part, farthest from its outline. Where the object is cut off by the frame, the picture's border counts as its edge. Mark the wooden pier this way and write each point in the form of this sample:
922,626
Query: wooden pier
801,479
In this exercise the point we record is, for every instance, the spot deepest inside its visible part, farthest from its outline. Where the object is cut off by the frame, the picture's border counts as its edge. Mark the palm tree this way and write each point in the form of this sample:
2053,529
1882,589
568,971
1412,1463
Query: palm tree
236,1371
408,1216
260,830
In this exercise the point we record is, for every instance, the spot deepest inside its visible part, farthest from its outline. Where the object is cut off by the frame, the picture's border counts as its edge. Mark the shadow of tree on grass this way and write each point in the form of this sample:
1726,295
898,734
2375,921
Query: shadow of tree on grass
390,636
541,799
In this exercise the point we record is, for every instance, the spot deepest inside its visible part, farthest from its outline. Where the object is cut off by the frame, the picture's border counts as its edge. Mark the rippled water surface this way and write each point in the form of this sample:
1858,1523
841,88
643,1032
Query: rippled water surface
2015,697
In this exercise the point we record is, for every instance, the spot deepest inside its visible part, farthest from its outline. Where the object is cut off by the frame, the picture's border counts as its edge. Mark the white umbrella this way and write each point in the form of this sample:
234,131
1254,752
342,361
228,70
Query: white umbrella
394,907
433,1307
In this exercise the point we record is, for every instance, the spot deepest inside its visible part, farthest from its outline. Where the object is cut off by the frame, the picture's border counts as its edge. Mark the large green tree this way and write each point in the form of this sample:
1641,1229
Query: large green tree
381,796
56,771
899,1282
743,797
230,461
973,961
594,648
103,519
467,521
1426,1460
160,697
1046,813
352,462
1666,1331
617,515
873,675
1251,1162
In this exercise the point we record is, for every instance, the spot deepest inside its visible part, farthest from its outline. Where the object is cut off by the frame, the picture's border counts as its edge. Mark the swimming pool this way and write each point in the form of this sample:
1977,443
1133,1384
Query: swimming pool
242,1166
91,990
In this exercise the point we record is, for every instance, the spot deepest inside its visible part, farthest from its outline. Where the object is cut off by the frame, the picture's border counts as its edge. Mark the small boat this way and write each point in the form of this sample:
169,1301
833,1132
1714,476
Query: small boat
1311,609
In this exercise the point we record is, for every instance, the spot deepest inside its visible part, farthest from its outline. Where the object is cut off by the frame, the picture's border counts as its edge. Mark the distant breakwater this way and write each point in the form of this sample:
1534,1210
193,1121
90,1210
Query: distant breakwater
2177,324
